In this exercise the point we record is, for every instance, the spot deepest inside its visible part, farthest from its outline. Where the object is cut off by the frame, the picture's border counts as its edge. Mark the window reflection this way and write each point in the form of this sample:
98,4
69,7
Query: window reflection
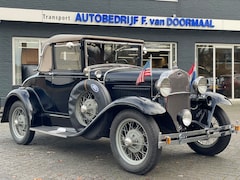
205,64
237,72
163,54
219,63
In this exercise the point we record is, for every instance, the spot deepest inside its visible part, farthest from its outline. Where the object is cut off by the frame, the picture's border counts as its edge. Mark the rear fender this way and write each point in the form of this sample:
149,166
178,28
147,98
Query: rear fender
26,96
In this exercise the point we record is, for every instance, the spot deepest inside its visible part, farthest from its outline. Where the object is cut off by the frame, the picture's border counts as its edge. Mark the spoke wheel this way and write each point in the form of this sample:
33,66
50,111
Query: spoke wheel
19,124
134,139
213,146
86,108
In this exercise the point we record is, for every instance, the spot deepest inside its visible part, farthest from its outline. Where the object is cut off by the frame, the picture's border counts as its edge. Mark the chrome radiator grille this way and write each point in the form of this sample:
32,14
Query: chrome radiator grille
180,96
179,81
176,103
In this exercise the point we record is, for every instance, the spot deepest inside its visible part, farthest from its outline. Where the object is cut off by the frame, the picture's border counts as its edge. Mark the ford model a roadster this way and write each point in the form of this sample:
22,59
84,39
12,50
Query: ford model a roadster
95,87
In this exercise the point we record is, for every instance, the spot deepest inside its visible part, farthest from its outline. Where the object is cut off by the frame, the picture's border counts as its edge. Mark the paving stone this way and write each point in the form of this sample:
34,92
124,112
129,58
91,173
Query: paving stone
53,158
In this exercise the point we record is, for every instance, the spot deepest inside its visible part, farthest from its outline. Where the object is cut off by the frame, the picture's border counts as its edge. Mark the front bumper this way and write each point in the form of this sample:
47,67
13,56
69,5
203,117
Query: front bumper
196,135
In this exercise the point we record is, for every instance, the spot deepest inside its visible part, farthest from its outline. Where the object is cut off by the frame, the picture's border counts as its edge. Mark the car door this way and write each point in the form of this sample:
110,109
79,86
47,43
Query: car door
66,73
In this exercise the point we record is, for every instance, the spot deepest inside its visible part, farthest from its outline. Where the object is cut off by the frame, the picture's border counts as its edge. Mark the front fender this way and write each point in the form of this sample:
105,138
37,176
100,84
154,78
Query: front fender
143,104
20,94
209,101
218,98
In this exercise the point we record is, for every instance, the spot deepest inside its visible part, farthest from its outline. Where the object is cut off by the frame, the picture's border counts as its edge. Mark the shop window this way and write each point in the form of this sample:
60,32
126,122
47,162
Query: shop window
236,72
205,63
25,58
163,54
29,62
220,64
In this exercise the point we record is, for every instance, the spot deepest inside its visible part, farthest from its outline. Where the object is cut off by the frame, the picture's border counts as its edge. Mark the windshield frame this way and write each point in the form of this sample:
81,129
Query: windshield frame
114,54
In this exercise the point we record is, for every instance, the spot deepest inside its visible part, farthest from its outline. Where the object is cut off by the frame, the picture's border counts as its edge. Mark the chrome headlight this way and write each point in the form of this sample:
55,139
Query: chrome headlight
185,116
164,86
200,85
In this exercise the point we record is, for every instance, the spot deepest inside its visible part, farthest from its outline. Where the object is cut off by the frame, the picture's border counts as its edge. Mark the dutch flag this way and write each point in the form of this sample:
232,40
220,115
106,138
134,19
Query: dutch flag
192,73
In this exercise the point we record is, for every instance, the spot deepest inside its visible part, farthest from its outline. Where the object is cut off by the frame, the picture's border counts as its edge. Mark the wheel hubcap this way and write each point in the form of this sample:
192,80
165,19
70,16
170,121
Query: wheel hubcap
127,142
16,122
89,108
19,120
134,141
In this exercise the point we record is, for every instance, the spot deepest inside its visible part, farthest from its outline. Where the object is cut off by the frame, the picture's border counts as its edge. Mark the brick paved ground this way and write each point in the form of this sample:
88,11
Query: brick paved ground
52,158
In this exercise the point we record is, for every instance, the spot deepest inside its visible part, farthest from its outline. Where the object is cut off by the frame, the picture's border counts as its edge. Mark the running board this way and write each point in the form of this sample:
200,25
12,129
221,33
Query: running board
55,131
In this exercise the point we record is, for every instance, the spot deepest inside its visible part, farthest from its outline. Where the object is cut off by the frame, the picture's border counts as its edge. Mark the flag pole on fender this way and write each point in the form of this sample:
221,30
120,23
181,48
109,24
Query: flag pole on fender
146,71
151,75
192,74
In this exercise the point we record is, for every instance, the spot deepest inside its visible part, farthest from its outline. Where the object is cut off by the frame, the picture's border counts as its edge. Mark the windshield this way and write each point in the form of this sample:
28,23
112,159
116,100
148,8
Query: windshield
102,52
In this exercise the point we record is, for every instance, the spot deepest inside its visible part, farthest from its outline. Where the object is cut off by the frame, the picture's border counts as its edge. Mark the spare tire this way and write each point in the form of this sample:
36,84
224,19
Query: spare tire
86,100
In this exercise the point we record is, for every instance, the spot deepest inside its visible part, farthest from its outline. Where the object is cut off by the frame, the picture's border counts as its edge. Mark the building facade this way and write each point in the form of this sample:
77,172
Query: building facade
176,32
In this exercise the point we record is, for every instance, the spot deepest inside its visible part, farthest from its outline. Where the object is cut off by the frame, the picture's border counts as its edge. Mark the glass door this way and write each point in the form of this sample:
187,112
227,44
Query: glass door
222,74
236,72
220,64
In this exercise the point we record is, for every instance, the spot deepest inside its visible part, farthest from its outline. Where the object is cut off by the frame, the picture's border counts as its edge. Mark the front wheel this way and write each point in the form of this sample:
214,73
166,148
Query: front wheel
213,146
19,124
134,141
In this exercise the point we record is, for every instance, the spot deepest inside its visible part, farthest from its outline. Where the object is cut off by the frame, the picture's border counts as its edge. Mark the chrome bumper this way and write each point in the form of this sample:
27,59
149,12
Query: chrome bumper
196,135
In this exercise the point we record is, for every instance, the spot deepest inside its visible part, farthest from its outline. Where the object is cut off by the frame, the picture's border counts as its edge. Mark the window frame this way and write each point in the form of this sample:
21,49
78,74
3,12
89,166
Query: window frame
216,46
172,62
15,42
74,62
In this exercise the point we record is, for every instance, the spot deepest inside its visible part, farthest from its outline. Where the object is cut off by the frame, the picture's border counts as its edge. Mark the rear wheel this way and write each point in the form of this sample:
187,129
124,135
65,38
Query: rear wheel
134,141
19,124
213,146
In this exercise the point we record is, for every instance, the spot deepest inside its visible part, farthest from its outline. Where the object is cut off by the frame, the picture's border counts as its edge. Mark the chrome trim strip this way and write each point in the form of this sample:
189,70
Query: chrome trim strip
59,115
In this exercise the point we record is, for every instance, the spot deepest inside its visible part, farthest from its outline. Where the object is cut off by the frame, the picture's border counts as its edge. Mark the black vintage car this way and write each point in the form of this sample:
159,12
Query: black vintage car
94,86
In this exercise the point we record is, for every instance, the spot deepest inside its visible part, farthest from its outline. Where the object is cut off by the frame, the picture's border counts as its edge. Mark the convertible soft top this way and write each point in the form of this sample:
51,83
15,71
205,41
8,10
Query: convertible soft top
46,55
76,37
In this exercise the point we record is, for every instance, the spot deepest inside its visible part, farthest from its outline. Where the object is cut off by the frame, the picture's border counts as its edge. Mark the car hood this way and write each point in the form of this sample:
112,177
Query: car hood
130,76
123,83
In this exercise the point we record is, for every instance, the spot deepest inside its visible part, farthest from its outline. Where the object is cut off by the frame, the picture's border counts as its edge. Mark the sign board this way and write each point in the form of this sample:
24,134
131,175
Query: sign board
104,19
